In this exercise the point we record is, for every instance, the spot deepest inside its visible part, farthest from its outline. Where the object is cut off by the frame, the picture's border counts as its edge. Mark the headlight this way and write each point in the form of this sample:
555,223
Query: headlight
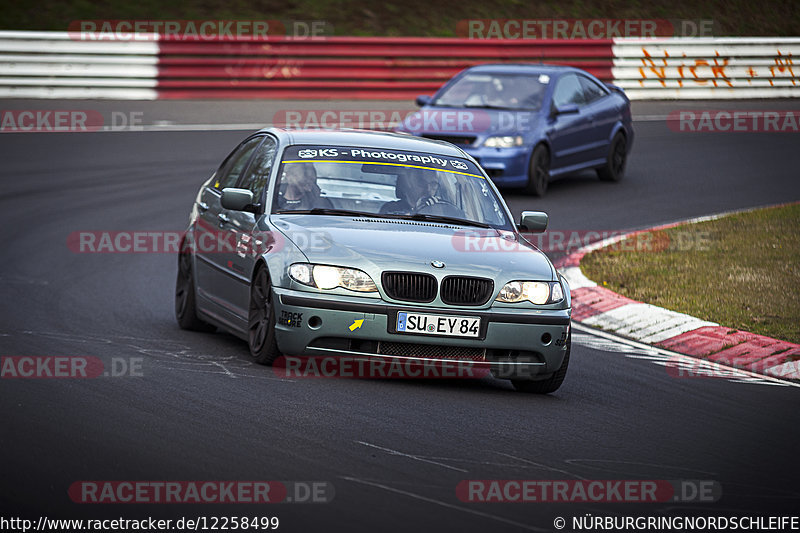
537,292
330,277
503,142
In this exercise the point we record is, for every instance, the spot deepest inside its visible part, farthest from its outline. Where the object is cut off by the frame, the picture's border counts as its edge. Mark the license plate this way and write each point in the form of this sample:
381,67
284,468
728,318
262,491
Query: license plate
454,326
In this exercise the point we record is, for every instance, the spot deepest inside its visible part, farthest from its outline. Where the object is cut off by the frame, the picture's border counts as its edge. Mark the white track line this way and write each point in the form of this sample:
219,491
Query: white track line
448,505
168,126
409,456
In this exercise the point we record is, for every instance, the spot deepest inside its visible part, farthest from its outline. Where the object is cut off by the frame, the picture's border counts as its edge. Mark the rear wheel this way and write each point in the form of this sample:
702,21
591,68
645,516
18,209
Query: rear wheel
185,299
538,171
614,169
261,320
550,384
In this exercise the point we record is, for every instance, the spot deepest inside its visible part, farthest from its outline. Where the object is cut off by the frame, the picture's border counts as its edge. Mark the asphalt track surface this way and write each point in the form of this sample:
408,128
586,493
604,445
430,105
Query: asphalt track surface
394,450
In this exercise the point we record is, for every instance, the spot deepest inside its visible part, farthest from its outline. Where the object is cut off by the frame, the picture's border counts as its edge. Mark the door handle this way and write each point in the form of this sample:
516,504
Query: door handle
223,219
203,206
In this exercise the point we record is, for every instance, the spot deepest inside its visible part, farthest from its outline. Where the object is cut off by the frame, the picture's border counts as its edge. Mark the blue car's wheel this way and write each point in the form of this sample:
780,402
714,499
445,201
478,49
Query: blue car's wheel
185,303
538,171
614,168
261,320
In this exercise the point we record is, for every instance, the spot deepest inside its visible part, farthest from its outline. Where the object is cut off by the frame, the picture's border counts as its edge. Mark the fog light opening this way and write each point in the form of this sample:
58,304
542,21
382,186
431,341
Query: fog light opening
546,338
315,322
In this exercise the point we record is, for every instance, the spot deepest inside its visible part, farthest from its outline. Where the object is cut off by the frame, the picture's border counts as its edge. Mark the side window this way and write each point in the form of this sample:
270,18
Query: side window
229,173
258,173
568,91
591,90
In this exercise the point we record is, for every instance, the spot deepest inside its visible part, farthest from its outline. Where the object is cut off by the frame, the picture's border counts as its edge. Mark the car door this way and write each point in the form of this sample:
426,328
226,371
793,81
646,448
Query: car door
243,231
569,133
212,238
602,113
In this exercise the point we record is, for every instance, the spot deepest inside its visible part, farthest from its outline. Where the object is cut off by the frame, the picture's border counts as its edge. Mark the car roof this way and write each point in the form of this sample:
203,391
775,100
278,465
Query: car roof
366,139
527,68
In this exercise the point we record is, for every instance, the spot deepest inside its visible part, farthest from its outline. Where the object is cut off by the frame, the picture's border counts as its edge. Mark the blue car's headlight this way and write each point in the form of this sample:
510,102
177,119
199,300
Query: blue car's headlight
331,277
503,141
536,292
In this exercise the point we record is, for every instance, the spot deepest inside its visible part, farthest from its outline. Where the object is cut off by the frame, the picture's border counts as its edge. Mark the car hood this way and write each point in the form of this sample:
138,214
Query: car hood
481,122
375,245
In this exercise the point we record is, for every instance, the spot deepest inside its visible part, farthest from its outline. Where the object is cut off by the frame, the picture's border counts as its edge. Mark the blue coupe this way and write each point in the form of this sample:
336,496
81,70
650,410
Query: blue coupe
528,123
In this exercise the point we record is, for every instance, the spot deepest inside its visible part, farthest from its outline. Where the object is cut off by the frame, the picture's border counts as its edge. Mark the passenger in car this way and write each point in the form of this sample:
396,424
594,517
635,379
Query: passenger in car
300,190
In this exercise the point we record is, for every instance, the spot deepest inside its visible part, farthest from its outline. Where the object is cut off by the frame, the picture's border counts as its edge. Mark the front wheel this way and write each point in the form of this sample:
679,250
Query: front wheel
261,320
538,171
550,384
614,168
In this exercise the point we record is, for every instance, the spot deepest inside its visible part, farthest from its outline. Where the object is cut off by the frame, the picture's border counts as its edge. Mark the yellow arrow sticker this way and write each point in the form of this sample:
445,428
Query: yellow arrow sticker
356,324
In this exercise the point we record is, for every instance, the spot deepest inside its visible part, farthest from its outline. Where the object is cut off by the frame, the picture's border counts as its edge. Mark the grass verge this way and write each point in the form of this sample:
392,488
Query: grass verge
742,271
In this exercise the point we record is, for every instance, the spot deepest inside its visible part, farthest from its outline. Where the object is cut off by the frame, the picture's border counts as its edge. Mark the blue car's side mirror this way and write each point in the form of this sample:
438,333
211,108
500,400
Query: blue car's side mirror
566,109
423,100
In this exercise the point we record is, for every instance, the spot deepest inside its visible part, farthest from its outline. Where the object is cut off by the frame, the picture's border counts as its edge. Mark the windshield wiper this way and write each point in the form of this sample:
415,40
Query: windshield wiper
490,106
445,220
329,211
418,216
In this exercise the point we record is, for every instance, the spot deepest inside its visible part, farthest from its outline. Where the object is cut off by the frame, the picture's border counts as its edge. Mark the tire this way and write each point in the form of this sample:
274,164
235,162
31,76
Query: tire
261,320
538,171
551,384
185,297
614,169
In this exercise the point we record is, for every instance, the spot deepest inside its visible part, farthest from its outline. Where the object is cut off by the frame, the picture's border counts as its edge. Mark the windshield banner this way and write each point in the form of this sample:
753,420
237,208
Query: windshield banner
349,154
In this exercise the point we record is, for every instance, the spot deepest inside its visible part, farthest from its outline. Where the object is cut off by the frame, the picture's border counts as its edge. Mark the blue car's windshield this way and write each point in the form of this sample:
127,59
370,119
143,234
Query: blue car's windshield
387,183
491,90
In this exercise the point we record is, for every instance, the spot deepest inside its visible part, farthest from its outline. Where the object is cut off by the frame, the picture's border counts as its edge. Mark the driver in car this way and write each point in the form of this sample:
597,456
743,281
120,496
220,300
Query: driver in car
416,189
301,192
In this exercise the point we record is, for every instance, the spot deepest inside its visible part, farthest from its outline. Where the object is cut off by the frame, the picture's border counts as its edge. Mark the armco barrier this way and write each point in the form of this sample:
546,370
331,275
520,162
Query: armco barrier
52,65
703,68
59,65
350,67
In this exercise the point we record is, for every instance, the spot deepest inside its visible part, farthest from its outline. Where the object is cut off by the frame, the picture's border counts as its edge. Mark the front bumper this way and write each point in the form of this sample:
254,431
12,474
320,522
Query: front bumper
506,166
515,343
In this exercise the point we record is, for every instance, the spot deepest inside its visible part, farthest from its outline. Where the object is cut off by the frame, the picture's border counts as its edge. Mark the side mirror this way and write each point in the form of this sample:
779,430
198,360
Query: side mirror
236,199
533,221
423,100
566,109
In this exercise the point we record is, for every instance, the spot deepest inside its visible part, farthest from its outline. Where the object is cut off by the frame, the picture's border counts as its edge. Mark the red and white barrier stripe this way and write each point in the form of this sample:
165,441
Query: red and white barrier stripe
64,65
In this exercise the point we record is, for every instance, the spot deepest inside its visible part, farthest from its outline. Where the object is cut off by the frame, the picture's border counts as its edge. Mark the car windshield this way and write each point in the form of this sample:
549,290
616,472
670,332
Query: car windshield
505,91
347,180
